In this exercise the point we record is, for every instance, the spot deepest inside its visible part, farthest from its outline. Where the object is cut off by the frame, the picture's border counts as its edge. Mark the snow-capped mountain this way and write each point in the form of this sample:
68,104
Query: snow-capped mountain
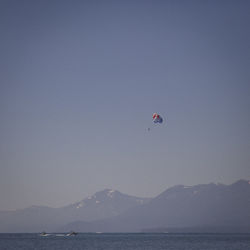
213,206
101,205
203,207
104,204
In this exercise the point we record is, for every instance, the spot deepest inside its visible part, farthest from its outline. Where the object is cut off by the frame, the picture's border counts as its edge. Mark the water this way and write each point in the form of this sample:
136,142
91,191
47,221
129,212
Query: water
136,241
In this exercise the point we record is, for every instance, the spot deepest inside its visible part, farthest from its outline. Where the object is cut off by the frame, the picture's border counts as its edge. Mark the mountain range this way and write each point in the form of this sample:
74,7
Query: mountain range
201,208
101,205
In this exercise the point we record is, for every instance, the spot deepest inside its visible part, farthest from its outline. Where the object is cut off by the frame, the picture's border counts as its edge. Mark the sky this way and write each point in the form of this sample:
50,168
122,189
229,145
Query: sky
80,80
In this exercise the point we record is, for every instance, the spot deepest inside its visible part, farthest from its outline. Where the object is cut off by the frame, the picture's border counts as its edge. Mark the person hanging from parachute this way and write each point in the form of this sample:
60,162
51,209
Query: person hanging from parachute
156,119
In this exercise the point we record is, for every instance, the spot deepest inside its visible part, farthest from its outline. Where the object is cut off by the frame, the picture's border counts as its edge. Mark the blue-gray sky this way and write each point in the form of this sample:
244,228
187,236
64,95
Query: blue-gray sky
79,81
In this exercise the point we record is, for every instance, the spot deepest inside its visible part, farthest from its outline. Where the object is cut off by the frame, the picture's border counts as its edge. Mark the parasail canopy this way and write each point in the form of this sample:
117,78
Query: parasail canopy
157,118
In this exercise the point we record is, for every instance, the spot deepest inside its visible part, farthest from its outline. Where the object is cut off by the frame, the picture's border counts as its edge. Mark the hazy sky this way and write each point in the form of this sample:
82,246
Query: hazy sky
79,81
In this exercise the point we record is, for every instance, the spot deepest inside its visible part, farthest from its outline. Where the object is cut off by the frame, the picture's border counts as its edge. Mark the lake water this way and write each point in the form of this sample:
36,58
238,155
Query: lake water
123,241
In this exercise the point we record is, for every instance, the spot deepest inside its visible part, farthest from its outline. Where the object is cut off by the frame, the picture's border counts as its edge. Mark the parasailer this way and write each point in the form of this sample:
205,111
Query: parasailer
157,118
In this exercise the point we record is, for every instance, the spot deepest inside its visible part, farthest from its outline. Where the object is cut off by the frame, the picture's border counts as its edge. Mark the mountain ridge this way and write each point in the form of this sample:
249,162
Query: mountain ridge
199,206
205,205
102,204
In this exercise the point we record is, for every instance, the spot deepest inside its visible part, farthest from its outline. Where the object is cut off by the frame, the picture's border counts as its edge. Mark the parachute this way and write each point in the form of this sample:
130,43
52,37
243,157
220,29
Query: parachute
157,118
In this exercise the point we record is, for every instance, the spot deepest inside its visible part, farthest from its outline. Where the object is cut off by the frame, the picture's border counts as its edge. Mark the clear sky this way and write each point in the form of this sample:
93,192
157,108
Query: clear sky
79,81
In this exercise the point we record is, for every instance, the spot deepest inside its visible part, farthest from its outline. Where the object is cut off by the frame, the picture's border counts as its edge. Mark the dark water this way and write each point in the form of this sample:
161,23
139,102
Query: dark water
127,241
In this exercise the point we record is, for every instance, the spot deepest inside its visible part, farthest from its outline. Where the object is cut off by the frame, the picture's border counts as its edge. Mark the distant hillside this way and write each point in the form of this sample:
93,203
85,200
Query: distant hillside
200,208
203,206
104,204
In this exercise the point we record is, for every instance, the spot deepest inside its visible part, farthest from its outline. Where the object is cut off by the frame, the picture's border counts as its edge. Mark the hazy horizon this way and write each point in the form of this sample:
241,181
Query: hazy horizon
79,81
91,195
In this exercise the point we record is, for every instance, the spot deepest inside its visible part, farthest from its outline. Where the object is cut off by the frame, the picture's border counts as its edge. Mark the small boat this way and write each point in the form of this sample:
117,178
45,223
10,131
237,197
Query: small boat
71,234
44,234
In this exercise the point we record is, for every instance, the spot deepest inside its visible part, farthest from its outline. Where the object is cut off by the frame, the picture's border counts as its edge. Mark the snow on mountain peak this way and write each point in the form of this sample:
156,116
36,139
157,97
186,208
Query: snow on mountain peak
91,197
111,193
79,205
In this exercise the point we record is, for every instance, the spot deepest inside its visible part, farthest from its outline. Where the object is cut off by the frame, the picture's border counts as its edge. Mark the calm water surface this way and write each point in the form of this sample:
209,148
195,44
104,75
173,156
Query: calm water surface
124,241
